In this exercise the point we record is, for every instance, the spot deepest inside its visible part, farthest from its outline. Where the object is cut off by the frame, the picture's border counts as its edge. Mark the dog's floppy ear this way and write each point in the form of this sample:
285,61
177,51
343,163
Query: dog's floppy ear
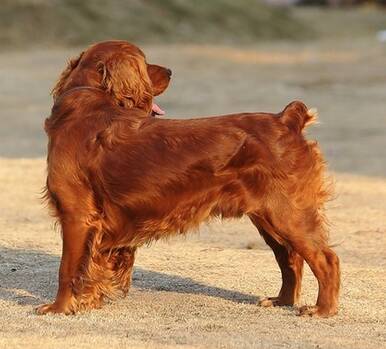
159,77
126,78
71,65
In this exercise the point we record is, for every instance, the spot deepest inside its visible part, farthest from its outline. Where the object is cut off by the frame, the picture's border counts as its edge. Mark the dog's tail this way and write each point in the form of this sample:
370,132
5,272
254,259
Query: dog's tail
296,116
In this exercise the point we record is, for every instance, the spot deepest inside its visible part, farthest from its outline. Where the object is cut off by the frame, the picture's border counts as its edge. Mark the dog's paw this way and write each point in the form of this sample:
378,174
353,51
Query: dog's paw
315,311
53,308
274,302
310,310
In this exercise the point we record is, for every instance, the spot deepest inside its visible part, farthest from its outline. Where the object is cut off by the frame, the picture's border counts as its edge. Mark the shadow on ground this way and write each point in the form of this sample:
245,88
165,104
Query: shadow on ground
29,277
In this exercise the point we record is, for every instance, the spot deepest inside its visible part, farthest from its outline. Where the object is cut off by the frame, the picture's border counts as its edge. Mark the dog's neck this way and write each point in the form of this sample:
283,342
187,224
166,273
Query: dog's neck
74,89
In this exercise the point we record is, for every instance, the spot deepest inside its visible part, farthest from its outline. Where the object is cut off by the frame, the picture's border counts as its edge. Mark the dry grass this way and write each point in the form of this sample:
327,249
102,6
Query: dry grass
198,292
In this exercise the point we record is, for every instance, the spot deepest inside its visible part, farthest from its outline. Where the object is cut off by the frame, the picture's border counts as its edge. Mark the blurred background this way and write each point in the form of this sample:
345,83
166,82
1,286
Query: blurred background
226,56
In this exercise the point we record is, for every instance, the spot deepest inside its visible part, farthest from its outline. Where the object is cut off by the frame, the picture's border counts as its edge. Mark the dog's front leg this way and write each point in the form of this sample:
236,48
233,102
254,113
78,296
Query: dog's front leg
123,267
75,238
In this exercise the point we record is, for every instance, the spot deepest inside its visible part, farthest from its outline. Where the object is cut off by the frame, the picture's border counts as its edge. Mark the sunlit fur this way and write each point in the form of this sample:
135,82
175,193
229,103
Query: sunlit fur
119,178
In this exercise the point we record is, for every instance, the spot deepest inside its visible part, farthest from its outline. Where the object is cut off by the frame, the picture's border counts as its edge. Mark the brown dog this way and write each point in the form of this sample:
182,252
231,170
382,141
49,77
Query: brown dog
118,179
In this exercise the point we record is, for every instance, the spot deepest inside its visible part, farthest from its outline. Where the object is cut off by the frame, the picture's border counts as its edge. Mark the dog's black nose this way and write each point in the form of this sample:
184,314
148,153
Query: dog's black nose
169,72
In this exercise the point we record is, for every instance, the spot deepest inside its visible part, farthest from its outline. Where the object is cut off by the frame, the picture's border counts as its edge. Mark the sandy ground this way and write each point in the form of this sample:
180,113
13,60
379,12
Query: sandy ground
202,291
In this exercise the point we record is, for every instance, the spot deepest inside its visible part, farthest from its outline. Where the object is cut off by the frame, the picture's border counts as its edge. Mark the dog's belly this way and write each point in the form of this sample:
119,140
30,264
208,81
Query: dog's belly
171,215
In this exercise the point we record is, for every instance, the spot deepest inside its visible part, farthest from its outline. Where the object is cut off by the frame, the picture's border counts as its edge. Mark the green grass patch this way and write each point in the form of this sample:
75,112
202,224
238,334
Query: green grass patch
76,22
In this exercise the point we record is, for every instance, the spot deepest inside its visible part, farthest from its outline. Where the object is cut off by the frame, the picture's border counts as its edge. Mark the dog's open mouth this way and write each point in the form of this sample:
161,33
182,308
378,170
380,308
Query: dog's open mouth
156,110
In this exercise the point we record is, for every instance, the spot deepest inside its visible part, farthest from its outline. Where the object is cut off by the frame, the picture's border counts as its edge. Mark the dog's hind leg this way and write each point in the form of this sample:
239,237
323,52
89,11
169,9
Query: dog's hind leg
291,266
310,242
303,230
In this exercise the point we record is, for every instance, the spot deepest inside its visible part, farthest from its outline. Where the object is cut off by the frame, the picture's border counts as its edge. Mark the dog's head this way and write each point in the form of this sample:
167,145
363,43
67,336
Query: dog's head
120,69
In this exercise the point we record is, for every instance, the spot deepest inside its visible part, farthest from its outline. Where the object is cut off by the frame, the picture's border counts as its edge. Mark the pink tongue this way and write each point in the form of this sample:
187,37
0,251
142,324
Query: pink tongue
156,109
